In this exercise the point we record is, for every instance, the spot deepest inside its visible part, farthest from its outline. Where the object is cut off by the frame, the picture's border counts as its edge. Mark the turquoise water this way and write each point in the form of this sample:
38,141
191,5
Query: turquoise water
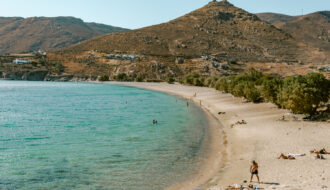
94,136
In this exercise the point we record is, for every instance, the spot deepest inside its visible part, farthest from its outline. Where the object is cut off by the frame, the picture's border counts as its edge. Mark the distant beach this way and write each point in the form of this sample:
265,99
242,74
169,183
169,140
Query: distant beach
268,132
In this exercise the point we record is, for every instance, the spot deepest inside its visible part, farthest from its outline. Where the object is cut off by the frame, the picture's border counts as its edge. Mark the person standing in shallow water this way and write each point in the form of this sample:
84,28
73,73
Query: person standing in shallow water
254,170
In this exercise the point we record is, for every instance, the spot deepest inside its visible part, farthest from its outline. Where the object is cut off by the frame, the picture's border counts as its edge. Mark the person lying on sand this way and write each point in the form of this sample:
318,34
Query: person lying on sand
319,156
242,187
243,122
286,157
322,151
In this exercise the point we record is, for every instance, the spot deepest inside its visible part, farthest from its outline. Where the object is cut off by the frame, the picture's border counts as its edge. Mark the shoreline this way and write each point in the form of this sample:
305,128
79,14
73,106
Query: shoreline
213,147
263,139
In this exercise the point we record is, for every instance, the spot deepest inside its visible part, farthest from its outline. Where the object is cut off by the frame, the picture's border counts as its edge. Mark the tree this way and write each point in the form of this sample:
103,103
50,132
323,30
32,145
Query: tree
170,80
59,68
270,89
251,93
104,78
304,94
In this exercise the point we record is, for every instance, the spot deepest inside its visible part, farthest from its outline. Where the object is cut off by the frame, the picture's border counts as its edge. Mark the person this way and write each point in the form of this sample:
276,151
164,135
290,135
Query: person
286,157
319,156
323,151
254,170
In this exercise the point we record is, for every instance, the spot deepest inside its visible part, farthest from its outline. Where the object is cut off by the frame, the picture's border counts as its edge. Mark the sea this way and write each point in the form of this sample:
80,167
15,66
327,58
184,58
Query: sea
96,136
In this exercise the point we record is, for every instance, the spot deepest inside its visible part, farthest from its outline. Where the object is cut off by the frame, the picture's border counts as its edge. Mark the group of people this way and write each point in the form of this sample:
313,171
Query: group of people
254,172
254,166
318,155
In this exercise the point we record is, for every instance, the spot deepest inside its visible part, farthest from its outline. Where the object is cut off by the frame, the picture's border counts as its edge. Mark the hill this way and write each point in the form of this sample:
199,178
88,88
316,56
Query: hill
217,39
312,29
21,35
217,28
274,18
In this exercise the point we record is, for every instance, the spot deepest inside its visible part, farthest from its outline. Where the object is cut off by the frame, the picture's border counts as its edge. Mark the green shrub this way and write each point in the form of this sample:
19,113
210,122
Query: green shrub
154,80
304,94
197,82
59,68
270,89
238,89
251,93
192,79
222,84
139,78
170,80
123,77
104,78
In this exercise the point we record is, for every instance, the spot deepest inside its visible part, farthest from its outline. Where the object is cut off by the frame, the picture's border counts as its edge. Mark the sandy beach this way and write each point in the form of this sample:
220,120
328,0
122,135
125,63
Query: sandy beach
263,138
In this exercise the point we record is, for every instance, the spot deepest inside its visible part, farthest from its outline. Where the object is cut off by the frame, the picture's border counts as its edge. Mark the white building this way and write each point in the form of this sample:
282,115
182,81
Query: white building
21,62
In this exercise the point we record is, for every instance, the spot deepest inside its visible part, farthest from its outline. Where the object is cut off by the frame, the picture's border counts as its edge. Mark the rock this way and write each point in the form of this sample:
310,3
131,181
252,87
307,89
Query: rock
206,69
179,60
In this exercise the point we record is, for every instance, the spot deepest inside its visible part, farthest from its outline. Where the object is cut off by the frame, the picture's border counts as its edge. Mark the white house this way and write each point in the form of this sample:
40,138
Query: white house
21,62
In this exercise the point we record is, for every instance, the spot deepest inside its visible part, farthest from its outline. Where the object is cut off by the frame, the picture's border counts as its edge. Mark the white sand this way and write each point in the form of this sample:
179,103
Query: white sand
262,139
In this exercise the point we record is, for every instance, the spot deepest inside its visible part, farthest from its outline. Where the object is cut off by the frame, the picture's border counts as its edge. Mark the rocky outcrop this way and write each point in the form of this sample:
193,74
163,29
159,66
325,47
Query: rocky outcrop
24,75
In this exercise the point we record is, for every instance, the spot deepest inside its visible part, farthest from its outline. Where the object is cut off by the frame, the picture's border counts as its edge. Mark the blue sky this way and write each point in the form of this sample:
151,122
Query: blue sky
139,13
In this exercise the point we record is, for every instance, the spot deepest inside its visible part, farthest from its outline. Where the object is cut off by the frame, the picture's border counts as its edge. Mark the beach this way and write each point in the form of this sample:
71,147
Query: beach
263,138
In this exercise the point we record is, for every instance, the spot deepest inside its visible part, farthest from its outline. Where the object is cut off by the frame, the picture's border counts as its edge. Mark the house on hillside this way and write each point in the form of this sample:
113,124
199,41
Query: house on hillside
21,62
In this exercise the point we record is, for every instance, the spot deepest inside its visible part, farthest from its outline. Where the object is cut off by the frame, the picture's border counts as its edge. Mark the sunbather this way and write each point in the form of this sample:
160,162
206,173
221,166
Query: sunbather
322,151
319,156
286,157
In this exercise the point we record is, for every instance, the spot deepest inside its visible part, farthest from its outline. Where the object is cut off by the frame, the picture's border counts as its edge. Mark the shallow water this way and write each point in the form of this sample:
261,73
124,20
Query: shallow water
94,136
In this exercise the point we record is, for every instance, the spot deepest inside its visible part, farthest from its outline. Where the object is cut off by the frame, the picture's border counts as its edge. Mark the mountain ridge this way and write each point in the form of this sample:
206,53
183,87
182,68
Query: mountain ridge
48,33
312,29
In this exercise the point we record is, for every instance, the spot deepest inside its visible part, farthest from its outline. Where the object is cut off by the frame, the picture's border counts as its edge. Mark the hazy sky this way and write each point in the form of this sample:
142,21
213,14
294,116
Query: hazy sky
139,13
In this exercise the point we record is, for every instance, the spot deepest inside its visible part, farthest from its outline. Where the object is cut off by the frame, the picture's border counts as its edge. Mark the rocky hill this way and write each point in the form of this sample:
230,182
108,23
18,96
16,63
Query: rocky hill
217,28
217,39
274,18
21,35
312,29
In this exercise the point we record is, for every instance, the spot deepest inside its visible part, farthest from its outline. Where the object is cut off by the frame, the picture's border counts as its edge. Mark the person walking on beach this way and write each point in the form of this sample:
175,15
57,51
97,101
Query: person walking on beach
254,170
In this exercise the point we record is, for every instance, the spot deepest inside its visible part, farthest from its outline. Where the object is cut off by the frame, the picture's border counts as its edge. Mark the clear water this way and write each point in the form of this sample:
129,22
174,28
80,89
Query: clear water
94,136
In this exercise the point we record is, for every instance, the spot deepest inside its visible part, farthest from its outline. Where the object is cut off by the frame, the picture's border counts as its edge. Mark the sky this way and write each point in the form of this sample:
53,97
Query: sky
134,14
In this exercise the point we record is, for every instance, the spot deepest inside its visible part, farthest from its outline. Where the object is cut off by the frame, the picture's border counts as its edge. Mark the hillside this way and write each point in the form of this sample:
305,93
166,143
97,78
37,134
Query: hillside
217,39
22,35
274,18
217,28
312,29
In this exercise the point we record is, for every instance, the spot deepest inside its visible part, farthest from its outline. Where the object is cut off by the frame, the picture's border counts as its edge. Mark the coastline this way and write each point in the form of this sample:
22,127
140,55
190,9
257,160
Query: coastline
263,139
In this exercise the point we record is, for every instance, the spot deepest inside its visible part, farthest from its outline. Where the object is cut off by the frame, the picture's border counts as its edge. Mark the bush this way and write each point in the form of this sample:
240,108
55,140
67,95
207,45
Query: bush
139,78
197,82
222,84
193,79
104,78
251,93
123,77
59,68
304,94
238,89
154,80
270,89
170,80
